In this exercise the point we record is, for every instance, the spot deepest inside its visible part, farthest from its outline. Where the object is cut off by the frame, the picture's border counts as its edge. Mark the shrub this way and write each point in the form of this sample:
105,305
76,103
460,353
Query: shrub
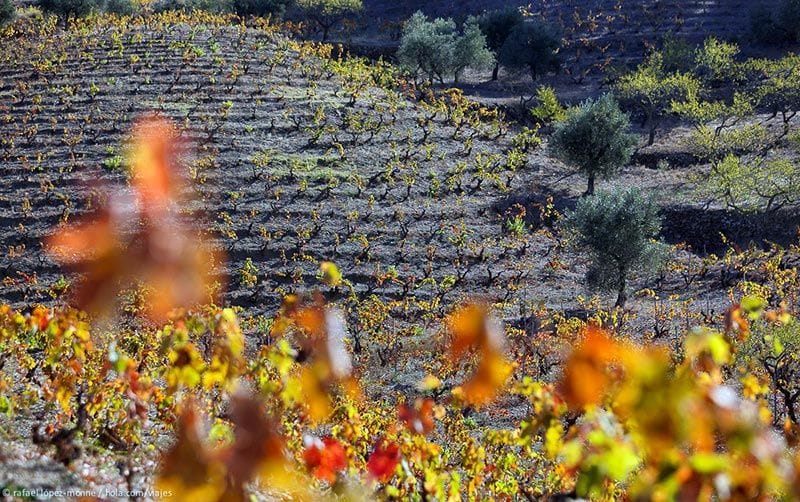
273,8
757,184
677,55
650,91
548,109
594,139
779,89
533,45
496,26
712,145
436,49
716,61
617,229
774,350
121,7
326,14
191,5
7,12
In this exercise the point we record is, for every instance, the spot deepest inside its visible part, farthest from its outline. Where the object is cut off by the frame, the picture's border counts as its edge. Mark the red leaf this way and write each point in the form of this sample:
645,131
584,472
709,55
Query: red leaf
383,460
473,328
418,418
155,176
324,458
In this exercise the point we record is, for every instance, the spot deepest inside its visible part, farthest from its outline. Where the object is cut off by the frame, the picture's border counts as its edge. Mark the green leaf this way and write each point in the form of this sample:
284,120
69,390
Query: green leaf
621,461
753,305
777,346
707,463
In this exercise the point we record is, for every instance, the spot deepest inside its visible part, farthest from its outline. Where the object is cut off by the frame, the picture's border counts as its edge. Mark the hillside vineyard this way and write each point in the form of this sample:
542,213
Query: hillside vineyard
532,252
294,159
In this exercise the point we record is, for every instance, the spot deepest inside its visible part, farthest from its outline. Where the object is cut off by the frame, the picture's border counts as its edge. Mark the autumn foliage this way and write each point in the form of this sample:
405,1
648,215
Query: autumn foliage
345,395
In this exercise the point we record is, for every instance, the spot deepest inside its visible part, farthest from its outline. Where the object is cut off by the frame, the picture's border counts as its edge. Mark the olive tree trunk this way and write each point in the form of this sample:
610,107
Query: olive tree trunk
590,186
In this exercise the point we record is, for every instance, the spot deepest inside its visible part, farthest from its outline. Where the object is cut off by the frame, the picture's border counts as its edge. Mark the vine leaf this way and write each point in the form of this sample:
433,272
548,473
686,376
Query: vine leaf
139,240
473,328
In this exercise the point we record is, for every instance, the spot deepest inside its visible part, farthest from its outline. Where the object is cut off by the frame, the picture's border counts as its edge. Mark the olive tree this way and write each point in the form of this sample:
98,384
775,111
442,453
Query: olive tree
788,20
533,45
427,46
470,49
191,5
6,12
69,9
121,7
617,229
436,49
594,139
496,26
259,7
326,14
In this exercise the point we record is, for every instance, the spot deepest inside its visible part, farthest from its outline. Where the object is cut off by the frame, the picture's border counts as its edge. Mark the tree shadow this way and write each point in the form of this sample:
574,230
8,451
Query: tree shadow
535,202
703,229
699,228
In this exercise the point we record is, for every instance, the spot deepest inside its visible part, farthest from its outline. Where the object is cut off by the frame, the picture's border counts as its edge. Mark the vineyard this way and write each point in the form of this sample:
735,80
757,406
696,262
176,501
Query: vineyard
242,264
